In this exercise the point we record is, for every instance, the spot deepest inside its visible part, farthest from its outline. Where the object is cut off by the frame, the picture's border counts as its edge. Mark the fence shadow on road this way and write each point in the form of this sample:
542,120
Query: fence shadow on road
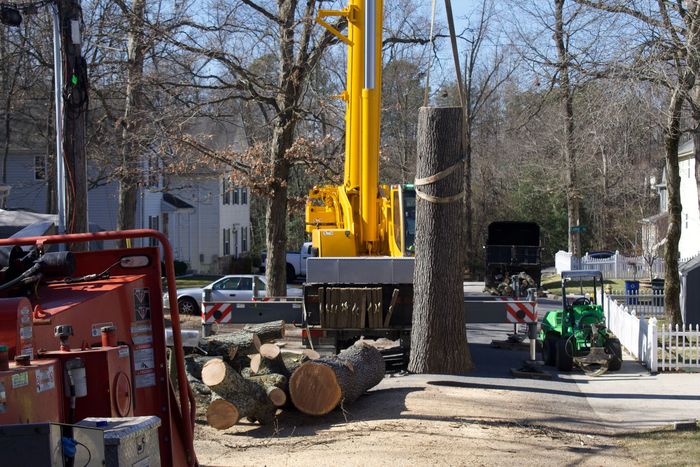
560,392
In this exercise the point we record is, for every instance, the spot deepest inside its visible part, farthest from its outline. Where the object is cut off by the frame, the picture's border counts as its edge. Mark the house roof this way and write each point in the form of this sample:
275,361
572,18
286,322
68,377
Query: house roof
172,203
687,148
689,265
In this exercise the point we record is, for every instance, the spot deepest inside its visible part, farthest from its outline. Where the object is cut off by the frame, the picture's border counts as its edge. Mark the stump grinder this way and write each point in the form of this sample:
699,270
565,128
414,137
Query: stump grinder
577,334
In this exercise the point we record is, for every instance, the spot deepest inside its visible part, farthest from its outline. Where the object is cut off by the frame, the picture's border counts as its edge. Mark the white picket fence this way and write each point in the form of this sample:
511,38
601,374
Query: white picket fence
638,336
664,347
679,347
644,304
618,266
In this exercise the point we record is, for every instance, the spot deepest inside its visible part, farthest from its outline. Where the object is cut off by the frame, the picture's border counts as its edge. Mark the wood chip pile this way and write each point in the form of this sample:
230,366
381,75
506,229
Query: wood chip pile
246,375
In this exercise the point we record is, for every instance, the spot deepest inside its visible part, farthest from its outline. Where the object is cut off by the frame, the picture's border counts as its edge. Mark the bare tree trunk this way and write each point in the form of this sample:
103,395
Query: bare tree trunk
672,287
572,196
282,139
131,157
439,339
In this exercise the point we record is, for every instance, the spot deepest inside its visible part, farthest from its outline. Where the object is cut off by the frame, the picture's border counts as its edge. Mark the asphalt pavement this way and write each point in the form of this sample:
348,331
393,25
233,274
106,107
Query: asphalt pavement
625,400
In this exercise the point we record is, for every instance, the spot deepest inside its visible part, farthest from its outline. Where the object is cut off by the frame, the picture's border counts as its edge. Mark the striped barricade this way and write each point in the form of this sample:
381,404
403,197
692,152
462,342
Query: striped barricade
500,310
250,312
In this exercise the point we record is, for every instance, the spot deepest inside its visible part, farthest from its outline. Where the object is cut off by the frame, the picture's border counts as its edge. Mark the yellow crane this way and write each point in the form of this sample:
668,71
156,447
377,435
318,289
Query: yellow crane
361,217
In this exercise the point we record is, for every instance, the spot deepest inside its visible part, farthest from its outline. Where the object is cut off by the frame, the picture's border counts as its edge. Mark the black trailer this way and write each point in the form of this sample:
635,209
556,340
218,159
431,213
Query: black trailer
512,247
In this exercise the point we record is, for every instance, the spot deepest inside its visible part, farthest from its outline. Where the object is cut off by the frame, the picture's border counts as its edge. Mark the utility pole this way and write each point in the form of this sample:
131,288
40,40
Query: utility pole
75,104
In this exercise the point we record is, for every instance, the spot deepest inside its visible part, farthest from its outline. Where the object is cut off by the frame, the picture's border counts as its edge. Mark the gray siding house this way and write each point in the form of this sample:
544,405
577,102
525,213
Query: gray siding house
203,215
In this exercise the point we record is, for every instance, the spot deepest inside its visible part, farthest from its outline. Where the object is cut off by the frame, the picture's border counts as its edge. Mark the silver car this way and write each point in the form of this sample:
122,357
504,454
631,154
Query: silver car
232,288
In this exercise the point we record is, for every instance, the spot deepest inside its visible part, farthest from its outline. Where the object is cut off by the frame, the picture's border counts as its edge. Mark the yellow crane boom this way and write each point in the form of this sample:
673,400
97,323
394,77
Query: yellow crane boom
359,218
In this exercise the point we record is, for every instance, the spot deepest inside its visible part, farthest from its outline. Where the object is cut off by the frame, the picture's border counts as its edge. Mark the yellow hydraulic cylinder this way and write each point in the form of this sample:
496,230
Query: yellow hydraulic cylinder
371,111
353,113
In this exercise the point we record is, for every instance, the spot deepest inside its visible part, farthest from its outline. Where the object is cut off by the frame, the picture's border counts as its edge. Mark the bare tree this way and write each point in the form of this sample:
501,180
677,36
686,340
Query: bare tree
669,55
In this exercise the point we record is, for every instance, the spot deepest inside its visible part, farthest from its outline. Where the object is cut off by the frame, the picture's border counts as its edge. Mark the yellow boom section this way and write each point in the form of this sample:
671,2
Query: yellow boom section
353,219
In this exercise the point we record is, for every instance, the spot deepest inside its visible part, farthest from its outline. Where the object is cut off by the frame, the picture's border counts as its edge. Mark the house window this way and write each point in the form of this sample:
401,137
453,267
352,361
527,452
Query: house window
236,196
153,223
226,190
227,242
40,167
244,239
244,195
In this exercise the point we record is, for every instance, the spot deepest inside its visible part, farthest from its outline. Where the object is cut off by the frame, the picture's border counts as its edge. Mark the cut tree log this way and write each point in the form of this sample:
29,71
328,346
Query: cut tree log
267,332
319,386
221,414
285,363
249,398
231,344
275,387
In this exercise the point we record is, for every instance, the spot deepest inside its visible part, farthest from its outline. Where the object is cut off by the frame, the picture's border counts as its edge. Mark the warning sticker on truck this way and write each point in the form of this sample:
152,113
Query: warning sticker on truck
45,379
20,380
142,304
143,355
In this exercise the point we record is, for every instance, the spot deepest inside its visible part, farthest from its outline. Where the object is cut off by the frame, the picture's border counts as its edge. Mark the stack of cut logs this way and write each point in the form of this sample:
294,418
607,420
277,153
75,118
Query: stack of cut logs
246,375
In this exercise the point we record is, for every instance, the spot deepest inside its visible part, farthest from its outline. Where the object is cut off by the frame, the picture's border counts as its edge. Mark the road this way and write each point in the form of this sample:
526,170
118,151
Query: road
617,401
485,418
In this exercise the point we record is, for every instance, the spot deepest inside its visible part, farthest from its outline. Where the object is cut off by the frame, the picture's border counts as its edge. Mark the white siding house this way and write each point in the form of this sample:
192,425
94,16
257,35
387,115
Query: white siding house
689,244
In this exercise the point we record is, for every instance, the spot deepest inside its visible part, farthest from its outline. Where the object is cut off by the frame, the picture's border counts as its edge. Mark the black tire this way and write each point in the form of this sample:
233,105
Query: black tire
614,348
291,274
188,306
564,354
549,351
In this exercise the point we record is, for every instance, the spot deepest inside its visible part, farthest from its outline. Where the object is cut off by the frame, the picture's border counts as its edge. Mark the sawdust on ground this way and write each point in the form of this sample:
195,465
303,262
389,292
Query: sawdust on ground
405,423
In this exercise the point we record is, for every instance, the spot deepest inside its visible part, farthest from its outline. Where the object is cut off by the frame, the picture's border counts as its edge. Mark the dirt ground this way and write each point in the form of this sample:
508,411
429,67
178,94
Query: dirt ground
406,422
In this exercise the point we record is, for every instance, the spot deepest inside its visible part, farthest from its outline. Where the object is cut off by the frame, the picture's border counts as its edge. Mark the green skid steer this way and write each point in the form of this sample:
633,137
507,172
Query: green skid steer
576,334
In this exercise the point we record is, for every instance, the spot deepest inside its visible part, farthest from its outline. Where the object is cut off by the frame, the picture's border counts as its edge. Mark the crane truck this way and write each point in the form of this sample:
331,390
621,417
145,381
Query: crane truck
360,279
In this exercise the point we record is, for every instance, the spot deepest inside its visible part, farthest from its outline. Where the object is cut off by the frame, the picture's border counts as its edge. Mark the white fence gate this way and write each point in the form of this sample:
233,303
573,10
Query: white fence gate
679,347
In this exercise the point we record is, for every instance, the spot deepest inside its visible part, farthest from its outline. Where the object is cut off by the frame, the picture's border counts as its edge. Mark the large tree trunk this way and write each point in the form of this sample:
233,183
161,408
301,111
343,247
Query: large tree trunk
439,340
673,181
131,152
319,386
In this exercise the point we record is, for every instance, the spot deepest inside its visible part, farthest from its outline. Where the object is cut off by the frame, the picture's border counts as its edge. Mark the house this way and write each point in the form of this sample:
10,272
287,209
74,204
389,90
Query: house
205,217
654,227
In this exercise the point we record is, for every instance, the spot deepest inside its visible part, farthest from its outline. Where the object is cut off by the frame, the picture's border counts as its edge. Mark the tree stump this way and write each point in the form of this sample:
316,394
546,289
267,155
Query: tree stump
438,336
318,386
249,398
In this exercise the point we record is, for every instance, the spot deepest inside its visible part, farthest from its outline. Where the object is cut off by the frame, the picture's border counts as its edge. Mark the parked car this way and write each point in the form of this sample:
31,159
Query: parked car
233,288
296,262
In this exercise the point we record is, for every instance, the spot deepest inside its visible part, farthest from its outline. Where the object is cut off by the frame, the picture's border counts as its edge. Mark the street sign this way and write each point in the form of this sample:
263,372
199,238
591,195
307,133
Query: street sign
577,229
